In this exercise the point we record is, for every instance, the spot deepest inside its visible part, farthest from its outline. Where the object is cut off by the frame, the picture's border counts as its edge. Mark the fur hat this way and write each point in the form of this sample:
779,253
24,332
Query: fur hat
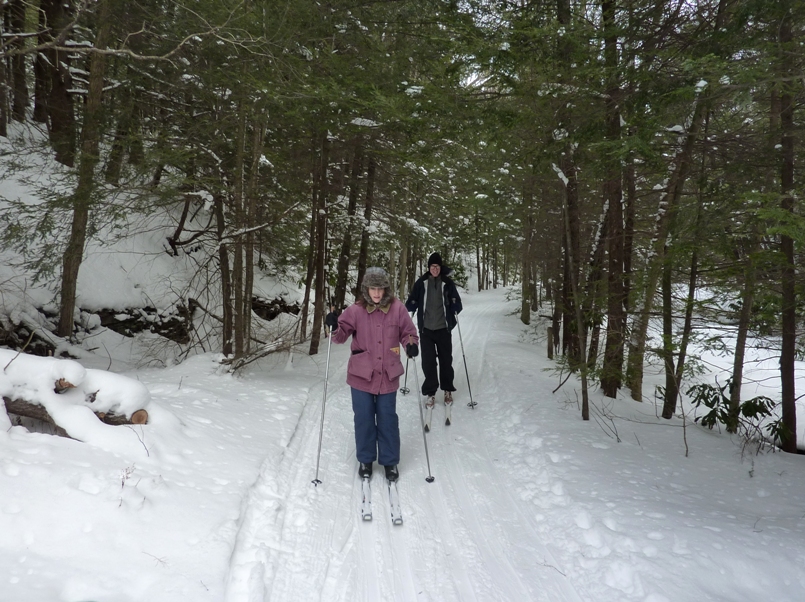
376,278
434,258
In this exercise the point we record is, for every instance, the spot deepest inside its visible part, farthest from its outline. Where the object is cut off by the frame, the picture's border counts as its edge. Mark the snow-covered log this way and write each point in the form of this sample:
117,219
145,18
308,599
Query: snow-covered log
21,407
63,393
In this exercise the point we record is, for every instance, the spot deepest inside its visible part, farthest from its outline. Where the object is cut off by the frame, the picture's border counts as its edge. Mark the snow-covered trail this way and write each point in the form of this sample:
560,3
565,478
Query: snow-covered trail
472,534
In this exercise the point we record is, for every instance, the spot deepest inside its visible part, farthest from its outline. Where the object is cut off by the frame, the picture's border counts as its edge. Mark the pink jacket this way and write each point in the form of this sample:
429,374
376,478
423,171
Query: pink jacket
378,343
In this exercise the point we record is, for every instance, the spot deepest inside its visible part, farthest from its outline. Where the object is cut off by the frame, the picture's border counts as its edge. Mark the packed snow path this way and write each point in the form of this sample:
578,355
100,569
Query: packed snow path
472,534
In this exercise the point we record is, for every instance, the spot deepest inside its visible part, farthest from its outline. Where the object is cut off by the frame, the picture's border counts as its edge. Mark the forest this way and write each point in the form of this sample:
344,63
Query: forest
629,167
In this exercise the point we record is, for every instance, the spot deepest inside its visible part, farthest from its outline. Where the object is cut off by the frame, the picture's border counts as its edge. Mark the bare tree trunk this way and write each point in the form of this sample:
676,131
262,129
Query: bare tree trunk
556,320
82,197
412,268
16,11
687,328
750,273
226,277
613,195
628,241
391,269
41,79
114,164
4,116
478,251
668,205
579,318
590,307
402,287
495,266
61,121
525,306
346,245
528,235
671,393
747,299
321,239
611,377
258,135
669,406
788,276
572,326
367,220
239,222
311,252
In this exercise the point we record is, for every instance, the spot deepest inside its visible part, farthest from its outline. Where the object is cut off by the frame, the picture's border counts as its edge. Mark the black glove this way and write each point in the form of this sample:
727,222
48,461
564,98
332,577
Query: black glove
411,350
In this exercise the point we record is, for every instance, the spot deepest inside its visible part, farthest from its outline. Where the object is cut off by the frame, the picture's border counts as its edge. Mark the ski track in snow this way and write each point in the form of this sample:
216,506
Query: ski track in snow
462,537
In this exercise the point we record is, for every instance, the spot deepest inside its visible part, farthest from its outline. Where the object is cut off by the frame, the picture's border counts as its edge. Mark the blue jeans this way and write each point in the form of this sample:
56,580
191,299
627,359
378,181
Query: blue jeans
377,427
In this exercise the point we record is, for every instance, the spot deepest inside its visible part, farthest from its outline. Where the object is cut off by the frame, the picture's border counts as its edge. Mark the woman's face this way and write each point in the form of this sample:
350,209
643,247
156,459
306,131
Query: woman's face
376,294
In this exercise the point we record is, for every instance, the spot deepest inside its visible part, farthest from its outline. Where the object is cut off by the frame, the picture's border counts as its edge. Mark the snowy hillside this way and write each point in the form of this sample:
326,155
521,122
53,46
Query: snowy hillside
529,502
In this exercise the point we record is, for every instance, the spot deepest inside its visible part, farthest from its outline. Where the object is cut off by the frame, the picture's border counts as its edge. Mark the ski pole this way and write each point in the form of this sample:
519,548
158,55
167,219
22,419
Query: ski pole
472,403
404,389
430,477
316,482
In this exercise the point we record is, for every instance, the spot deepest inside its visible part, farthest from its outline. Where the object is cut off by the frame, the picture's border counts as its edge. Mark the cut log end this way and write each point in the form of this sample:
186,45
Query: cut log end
139,417
62,385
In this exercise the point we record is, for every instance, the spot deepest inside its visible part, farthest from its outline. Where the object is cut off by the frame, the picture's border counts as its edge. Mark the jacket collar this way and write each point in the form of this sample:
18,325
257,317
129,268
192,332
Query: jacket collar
384,308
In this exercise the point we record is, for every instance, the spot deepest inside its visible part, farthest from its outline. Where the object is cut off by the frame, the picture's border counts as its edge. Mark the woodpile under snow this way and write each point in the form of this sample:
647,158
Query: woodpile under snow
64,394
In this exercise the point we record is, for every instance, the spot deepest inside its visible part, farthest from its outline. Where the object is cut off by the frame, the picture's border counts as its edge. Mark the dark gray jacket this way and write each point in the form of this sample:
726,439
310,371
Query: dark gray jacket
452,301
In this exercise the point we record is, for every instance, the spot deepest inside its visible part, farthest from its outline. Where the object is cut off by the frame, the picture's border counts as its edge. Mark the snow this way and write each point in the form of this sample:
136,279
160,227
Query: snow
560,173
365,122
212,499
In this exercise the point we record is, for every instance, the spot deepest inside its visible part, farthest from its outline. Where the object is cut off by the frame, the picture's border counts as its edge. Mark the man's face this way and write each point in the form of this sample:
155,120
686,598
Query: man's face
435,269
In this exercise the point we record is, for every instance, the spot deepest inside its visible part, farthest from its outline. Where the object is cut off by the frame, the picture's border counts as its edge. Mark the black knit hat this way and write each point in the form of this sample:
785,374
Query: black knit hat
434,258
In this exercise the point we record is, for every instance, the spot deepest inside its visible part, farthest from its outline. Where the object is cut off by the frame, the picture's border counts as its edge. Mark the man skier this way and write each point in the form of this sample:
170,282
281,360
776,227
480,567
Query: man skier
435,300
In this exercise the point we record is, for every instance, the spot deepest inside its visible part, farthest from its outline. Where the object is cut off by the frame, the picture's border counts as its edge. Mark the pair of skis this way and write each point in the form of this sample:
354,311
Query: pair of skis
394,501
394,495
448,415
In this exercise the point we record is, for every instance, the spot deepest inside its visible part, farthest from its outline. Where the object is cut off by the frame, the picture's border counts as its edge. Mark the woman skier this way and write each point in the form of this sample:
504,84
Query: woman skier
380,326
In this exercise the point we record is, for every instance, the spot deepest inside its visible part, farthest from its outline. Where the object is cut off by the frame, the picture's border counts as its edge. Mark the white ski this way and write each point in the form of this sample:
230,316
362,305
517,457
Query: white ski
394,503
366,500
448,412
428,417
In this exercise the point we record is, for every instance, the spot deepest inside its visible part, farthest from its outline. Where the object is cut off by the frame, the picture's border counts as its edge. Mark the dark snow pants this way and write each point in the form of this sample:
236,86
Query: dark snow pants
436,345
377,427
